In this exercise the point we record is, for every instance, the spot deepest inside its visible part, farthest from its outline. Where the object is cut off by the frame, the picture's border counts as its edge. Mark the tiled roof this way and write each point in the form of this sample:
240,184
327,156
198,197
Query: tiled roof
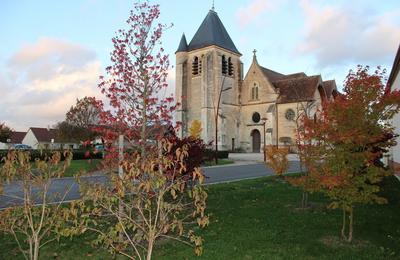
330,87
17,137
272,75
297,89
212,32
395,68
44,134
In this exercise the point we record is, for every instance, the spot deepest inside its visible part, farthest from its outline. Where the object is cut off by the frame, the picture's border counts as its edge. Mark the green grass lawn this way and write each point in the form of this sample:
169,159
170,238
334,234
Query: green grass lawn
82,165
260,219
220,162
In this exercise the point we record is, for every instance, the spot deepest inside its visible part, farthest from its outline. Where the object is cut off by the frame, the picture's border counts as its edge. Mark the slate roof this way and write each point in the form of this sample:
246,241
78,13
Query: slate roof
183,46
17,137
212,32
44,134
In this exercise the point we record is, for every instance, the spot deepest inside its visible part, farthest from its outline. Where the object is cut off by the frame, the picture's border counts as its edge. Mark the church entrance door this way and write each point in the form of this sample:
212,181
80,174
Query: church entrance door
256,136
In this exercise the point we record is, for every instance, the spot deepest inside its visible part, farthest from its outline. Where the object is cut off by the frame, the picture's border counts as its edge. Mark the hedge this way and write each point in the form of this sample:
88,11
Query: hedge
42,154
209,154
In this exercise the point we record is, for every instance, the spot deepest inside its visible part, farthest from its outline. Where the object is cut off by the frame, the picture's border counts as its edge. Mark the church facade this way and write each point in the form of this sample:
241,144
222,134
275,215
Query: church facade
252,109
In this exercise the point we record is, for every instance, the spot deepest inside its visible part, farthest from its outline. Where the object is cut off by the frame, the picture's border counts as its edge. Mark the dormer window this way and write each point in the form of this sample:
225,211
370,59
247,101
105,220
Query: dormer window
224,65
254,91
230,67
196,66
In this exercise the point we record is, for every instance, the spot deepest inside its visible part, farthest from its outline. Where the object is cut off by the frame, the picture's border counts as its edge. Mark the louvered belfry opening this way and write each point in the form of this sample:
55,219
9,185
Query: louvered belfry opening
224,65
195,66
230,67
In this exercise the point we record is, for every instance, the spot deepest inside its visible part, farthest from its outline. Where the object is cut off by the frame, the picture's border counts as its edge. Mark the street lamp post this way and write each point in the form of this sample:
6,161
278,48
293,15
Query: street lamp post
216,120
264,120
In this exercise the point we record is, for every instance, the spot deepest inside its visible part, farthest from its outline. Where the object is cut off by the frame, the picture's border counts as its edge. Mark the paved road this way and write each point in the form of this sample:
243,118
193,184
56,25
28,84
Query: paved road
214,175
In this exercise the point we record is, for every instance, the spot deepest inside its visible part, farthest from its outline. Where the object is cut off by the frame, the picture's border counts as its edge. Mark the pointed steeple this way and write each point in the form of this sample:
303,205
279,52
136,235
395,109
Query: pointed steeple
212,32
183,46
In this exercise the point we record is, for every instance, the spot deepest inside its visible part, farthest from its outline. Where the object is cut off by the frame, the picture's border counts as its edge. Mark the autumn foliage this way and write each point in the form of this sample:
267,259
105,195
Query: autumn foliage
156,193
344,146
195,129
277,159
37,216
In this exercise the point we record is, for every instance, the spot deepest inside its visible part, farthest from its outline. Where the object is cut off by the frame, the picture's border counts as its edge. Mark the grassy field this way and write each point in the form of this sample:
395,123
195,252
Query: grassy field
81,165
260,219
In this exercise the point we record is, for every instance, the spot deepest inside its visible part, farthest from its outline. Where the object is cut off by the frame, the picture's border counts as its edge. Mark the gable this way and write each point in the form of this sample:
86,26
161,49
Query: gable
255,74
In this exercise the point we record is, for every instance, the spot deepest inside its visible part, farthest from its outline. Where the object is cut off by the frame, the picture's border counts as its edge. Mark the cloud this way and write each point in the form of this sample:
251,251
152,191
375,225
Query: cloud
43,79
341,34
248,14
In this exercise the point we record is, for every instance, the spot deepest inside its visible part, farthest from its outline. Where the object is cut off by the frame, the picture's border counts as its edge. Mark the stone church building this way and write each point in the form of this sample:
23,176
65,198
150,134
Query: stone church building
256,108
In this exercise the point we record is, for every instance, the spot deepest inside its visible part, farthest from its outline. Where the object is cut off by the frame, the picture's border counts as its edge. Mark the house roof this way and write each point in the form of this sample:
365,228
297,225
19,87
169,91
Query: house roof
395,68
297,89
330,88
212,32
44,134
17,137
272,75
183,46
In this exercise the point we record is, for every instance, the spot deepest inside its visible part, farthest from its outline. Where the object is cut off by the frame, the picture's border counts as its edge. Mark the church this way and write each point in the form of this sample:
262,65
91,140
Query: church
253,109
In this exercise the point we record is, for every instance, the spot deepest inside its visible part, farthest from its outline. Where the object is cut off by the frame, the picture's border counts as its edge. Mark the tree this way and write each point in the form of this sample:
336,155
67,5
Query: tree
138,73
150,198
81,120
345,144
85,113
68,132
151,201
5,133
277,159
39,217
195,129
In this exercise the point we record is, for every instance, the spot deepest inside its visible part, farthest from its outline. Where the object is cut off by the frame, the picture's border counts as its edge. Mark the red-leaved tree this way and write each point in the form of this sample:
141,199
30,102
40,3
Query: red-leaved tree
138,73
345,144
151,198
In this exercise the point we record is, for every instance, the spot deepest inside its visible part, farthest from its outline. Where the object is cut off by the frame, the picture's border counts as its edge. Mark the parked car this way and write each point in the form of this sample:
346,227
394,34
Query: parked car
21,147
99,147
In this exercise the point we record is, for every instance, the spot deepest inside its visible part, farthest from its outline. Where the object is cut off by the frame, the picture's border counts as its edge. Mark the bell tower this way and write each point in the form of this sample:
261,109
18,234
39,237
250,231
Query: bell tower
208,73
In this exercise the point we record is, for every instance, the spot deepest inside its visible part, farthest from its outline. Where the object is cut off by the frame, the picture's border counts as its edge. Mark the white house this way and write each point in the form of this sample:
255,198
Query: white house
45,138
394,84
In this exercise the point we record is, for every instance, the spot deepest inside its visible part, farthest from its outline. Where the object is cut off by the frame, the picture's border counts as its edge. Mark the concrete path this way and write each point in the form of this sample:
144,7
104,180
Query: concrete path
250,158
228,173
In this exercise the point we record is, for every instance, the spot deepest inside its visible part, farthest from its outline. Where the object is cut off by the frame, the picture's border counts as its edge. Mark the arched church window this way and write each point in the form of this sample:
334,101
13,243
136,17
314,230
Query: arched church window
230,67
195,66
254,91
224,65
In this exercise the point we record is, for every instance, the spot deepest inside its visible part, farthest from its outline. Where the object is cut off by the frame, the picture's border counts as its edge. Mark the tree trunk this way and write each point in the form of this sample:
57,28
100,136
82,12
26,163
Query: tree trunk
344,225
30,249
150,248
36,248
350,236
216,139
304,200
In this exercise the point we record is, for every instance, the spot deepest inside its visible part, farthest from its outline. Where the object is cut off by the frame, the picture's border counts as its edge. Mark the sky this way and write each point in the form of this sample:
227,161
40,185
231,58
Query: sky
52,52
